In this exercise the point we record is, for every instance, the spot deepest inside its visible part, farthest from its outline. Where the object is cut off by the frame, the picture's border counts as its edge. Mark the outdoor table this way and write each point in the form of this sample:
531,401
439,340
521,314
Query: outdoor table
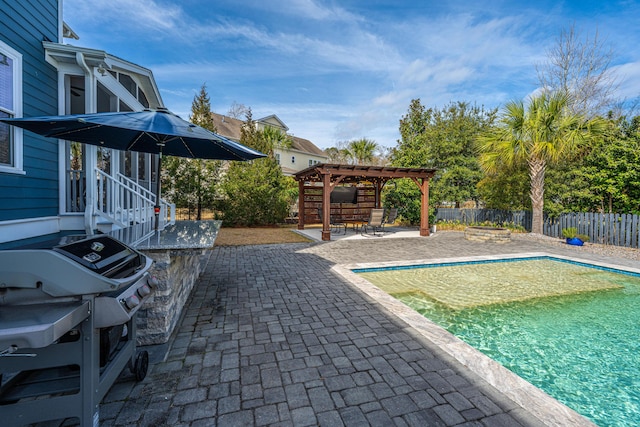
356,224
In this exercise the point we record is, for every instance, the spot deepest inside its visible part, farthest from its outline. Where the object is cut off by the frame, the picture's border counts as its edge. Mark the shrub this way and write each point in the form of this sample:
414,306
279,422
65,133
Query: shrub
255,193
572,232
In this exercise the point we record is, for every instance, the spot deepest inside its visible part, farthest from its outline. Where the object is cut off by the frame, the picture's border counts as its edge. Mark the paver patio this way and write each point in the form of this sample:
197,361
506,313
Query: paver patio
271,336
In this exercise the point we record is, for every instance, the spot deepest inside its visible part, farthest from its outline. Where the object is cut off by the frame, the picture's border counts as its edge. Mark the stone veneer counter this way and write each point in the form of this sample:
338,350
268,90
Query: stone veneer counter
181,235
180,252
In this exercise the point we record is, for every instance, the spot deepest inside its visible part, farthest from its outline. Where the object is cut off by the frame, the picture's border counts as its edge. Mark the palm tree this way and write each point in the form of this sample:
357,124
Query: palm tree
362,150
543,132
275,138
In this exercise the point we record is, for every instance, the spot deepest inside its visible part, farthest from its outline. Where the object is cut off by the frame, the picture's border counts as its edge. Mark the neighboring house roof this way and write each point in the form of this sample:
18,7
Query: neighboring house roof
227,126
232,128
306,146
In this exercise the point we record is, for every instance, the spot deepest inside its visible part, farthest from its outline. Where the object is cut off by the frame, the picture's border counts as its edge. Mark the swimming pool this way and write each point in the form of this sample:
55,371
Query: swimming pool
575,337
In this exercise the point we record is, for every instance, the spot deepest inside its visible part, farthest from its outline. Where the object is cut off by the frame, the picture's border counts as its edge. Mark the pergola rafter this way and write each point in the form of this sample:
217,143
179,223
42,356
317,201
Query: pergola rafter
332,174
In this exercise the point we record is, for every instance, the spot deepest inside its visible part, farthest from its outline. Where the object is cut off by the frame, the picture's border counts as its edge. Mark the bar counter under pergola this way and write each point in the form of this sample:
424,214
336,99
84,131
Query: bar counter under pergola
330,175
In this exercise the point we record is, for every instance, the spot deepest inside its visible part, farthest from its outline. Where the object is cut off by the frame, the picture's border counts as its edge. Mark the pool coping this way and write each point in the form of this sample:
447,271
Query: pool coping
535,401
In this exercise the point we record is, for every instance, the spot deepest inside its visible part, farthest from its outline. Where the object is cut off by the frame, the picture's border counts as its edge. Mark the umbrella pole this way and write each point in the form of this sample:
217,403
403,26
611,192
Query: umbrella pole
156,209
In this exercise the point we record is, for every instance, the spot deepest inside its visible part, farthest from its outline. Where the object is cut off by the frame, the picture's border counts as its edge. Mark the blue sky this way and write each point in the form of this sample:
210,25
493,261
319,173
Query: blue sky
343,70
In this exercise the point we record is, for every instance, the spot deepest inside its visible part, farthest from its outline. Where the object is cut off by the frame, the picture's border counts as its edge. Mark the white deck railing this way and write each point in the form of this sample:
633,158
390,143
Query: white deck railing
123,202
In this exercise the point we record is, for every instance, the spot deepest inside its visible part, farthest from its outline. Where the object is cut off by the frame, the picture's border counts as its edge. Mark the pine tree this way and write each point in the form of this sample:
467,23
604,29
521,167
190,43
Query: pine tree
201,110
193,182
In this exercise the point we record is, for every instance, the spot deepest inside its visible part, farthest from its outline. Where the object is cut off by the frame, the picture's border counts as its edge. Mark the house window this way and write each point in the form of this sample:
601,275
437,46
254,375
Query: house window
313,162
278,158
10,106
293,159
130,85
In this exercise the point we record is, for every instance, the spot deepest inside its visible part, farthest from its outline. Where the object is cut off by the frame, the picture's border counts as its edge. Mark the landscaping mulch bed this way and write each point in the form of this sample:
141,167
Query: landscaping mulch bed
259,236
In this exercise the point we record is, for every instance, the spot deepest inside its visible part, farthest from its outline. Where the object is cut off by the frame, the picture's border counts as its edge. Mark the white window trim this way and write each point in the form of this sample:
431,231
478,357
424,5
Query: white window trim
17,148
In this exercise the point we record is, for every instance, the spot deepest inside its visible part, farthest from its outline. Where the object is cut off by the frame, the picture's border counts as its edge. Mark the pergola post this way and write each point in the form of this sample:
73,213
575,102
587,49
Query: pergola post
326,207
424,208
301,205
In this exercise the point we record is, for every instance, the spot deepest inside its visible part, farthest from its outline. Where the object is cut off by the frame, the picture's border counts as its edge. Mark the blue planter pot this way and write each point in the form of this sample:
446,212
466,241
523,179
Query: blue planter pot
575,241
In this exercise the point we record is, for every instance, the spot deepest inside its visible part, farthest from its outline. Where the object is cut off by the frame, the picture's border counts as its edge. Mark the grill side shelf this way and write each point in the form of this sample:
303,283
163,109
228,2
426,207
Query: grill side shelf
38,325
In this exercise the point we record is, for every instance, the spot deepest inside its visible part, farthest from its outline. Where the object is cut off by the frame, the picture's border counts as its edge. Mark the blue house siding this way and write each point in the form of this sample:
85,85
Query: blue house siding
23,26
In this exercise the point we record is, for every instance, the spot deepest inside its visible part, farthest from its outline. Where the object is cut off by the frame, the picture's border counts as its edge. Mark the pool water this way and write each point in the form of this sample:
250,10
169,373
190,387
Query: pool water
581,346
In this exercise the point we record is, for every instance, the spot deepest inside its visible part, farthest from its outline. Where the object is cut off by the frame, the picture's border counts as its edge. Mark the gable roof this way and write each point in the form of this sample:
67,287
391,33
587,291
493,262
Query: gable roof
232,128
273,121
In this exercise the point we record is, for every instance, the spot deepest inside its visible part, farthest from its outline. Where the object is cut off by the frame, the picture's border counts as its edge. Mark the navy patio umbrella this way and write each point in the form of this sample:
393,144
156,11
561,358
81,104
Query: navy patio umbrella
148,131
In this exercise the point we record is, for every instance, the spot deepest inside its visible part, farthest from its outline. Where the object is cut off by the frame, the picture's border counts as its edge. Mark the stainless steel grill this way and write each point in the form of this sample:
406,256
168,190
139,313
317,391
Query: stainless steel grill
67,326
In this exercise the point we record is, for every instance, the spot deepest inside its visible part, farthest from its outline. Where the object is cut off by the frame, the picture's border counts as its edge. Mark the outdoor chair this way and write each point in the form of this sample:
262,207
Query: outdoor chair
334,225
376,219
392,215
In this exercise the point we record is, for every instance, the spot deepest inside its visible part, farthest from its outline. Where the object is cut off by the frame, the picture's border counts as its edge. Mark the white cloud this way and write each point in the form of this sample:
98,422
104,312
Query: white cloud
629,75
134,14
332,70
315,10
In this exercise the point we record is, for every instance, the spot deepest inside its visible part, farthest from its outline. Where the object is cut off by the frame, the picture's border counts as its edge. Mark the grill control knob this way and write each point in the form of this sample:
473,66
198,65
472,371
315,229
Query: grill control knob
131,302
143,291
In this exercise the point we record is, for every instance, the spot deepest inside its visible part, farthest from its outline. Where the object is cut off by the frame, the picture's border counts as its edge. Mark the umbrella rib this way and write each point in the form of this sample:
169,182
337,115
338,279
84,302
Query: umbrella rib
225,148
187,147
61,134
130,146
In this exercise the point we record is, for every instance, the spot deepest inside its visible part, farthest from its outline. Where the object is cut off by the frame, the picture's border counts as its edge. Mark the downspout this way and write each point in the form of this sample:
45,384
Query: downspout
89,217
60,23
88,83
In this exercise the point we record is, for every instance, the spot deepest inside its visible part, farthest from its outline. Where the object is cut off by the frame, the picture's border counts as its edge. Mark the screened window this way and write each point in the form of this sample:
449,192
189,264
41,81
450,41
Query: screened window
128,84
142,166
10,106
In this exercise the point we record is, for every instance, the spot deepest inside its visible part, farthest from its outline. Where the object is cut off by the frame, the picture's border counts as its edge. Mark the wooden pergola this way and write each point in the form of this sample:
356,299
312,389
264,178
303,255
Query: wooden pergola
332,174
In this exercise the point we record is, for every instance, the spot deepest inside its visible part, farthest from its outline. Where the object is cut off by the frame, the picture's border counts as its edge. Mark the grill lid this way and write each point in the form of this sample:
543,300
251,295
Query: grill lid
76,265
103,255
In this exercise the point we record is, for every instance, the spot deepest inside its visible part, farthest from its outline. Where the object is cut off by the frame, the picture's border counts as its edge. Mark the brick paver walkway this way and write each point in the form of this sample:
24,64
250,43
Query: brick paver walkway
272,337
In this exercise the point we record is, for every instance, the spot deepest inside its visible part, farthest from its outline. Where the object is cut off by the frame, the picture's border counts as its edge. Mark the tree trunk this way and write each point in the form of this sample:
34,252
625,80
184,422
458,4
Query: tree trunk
537,168
199,190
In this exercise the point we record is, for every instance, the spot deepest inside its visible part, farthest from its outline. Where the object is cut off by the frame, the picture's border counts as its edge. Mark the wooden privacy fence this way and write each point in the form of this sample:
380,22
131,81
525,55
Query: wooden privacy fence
606,229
